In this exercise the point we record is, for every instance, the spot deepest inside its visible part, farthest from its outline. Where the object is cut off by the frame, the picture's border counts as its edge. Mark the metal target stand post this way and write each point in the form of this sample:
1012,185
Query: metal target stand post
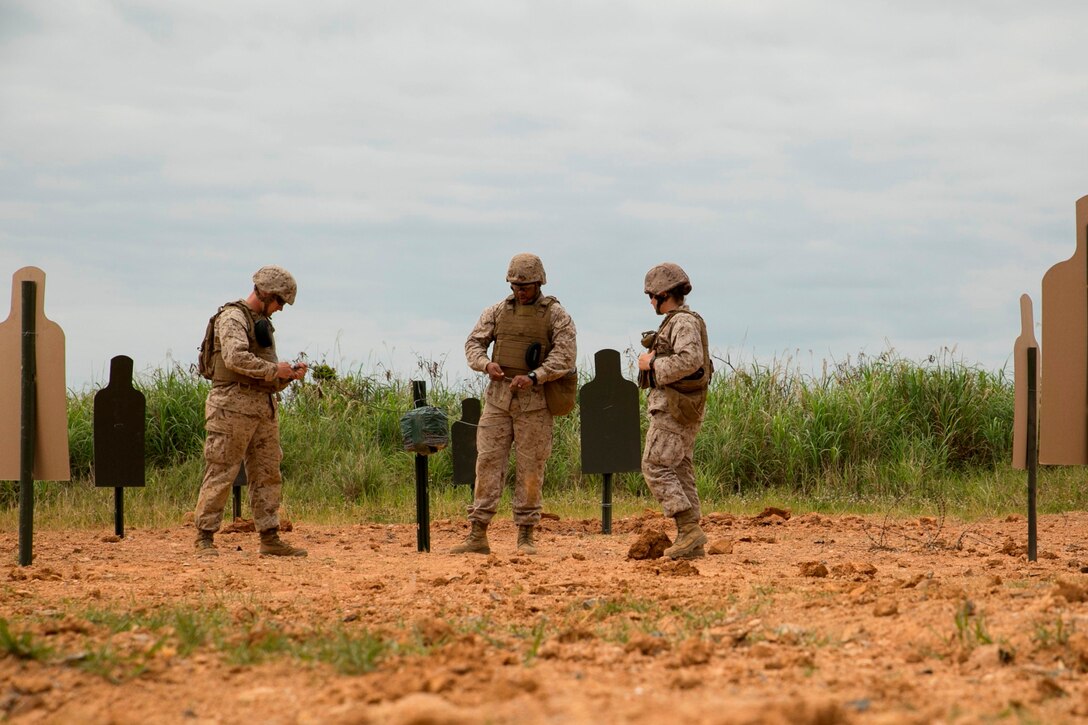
1032,458
423,504
27,439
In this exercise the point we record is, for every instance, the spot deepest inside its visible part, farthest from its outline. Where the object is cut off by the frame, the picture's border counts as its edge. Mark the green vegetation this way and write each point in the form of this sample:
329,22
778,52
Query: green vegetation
137,637
1045,635
867,435
970,627
124,641
20,645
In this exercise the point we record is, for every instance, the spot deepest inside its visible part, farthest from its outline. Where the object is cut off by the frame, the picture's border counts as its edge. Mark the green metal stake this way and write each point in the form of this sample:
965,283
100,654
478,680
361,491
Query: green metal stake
26,438
423,499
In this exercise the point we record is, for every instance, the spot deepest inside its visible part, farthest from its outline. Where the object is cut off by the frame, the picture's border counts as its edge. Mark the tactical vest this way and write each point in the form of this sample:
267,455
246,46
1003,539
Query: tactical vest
518,328
699,380
223,375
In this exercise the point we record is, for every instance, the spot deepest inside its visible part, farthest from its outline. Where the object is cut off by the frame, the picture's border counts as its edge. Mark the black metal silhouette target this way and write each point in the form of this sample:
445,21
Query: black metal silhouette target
463,440
119,414
611,439
119,419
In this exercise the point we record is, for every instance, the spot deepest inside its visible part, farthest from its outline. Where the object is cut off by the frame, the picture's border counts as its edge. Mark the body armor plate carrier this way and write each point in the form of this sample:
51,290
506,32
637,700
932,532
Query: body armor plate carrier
221,374
517,329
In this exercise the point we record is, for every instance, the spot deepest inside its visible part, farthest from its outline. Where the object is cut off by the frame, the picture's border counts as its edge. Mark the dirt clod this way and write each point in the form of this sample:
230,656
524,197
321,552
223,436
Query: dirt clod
813,569
772,512
885,607
719,547
649,545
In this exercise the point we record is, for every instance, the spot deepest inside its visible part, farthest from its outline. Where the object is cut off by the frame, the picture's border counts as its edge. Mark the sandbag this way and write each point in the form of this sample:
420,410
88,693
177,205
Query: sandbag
425,430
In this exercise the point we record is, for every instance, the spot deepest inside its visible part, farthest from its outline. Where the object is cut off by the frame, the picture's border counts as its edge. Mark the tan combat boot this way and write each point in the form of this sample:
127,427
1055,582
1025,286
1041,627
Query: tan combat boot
526,545
689,537
273,545
205,543
475,543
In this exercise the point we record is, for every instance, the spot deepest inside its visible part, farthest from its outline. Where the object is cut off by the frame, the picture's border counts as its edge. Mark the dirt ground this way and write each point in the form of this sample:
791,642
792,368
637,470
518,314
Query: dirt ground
798,619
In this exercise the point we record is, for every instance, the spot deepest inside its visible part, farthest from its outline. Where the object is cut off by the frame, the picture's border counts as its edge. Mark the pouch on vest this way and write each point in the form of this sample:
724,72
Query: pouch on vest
560,394
681,407
205,359
263,332
533,356
425,430
646,377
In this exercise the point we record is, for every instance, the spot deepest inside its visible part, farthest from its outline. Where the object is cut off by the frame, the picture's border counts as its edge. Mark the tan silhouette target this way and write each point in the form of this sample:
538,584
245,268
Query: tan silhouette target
1063,397
51,429
1025,342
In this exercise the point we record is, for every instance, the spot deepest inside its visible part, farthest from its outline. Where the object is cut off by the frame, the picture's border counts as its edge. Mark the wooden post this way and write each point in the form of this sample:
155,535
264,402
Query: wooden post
1032,458
423,511
27,438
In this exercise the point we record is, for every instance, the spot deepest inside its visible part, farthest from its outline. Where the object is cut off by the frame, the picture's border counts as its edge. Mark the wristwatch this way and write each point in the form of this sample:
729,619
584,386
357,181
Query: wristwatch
532,376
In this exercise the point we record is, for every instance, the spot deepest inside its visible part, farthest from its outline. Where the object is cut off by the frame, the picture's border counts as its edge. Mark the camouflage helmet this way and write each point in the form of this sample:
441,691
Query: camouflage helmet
526,268
275,280
666,277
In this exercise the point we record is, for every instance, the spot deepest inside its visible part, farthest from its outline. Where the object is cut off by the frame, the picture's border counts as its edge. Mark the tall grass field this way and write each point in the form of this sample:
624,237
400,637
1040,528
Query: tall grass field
871,434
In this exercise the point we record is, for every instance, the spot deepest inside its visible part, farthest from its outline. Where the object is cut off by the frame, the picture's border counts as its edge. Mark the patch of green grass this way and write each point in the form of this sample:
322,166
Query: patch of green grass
191,630
612,606
351,654
698,620
1052,634
483,627
970,626
761,598
616,631
113,665
211,628
21,645
535,635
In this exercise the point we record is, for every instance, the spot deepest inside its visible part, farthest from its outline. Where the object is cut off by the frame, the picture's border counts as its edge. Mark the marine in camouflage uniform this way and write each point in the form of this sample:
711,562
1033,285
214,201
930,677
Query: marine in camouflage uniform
534,341
240,412
676,369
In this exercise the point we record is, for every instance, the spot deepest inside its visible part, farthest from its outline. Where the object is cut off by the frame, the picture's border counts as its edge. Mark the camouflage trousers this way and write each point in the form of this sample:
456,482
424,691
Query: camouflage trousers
667,466
531,436
233,438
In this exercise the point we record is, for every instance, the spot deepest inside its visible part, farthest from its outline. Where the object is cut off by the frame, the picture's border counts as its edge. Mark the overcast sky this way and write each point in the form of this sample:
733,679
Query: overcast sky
836,177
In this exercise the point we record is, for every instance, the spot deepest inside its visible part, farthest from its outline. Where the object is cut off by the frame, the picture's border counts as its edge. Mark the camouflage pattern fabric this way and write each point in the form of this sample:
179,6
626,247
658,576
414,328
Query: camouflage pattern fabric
685,339
241,424
498,431
560,360
516,418
275,280
234,437
667,459
665,277
230,330
667,465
